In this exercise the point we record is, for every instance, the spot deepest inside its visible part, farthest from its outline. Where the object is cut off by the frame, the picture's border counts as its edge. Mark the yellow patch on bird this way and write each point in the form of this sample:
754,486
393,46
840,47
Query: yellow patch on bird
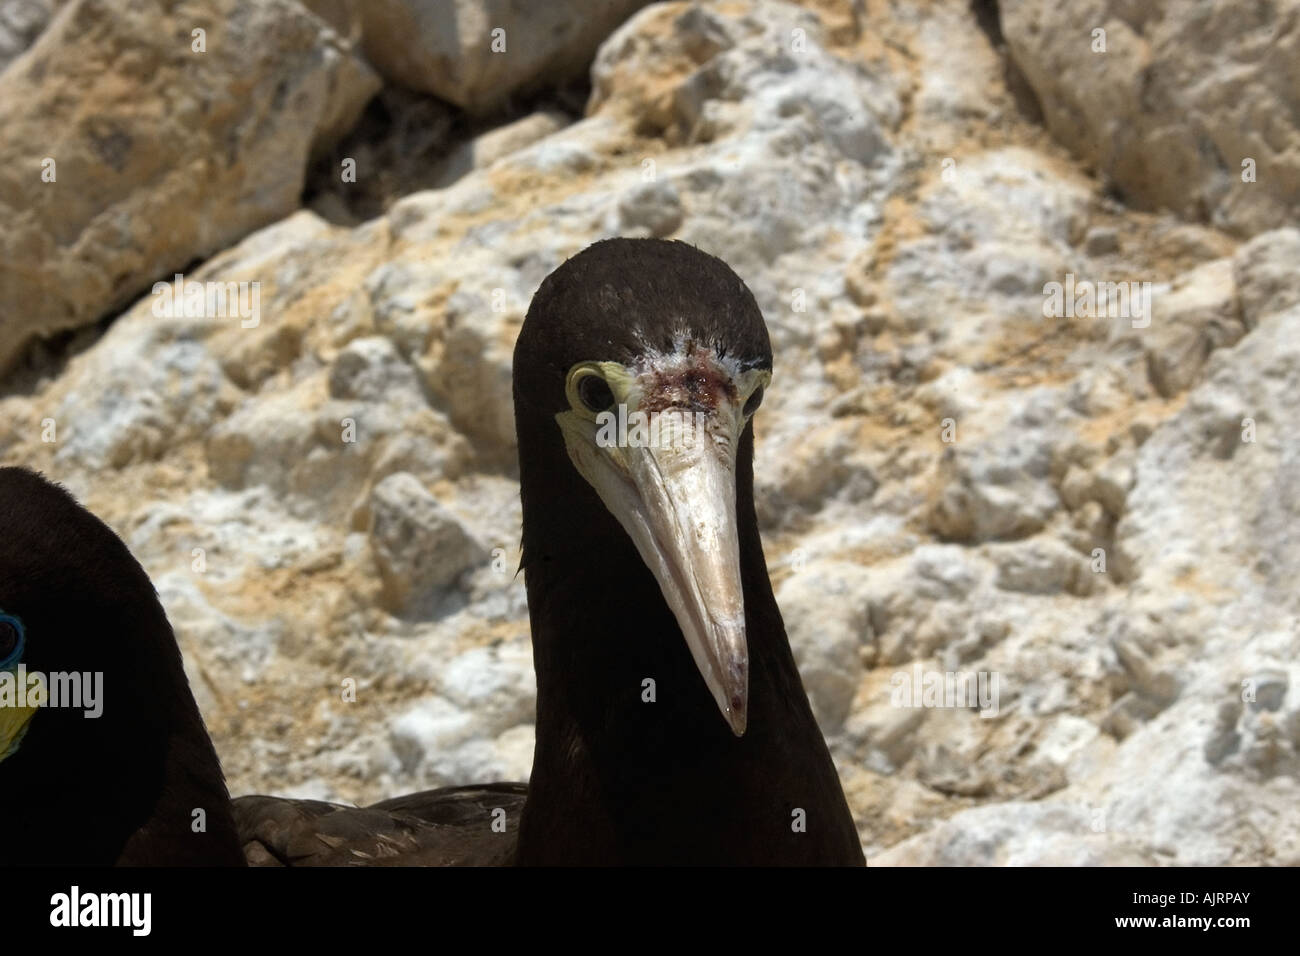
14,721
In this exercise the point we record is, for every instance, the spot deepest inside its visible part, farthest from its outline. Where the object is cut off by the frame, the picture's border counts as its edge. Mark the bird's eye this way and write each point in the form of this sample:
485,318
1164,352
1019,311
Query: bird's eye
11,639
755,399
595,393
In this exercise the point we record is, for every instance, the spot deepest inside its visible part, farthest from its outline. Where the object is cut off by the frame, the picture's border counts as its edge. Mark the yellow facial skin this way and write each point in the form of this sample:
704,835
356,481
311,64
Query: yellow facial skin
676,499
14,721
17,704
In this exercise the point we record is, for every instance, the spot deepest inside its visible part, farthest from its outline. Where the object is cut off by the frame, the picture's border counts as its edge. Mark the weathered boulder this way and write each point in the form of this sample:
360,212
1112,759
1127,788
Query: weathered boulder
477,54
21,22
420,546
1188,107
139,138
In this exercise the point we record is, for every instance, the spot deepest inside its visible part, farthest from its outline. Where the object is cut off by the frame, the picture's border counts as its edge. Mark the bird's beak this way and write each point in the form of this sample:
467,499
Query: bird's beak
667,472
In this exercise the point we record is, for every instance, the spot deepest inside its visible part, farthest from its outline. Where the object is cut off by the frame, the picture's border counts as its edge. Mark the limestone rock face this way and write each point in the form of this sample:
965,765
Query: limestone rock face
134,146
476,53
828,647
21,22
1034,549
1188,107
420,547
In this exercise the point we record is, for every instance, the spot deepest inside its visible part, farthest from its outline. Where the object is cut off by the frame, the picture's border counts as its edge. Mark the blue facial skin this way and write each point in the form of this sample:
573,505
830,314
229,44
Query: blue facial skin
14,655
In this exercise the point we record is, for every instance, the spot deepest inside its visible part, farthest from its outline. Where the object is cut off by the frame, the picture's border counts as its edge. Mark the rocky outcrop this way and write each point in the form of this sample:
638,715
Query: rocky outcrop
139,138
420,547
1184,107
477,54
21,22
1033,549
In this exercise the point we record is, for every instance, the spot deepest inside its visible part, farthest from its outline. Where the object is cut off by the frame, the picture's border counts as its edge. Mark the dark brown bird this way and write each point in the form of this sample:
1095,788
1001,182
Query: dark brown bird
672,726
140,782
477,825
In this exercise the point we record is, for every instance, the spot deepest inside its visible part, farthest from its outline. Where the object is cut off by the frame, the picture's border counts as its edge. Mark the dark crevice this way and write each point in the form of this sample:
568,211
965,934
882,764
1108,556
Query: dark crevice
989,20
44,358
402,140
988,16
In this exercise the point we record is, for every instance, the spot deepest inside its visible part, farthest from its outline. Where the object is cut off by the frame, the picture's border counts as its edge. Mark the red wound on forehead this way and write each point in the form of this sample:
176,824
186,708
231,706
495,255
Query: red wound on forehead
696,383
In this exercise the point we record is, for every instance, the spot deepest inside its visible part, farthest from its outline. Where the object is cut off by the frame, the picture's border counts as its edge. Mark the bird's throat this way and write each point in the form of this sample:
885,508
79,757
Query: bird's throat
632,755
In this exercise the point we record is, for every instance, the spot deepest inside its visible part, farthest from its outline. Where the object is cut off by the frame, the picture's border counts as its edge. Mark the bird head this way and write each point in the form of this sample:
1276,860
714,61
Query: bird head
74,606
651,358
96,716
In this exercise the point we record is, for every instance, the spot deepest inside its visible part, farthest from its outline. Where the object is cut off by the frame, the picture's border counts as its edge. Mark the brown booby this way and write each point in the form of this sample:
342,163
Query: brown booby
672,726
103,755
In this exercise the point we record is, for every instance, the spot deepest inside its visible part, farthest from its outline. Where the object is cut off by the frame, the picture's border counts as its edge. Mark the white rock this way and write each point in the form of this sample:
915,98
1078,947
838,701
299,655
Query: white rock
1198,315
152,171
1266,276
1124,106
477,53
420,546
1042,567
1018,834
826,615
21,22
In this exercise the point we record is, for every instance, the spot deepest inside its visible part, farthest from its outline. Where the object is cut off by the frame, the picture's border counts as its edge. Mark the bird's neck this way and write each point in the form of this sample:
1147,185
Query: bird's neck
634,762
145,770
192,820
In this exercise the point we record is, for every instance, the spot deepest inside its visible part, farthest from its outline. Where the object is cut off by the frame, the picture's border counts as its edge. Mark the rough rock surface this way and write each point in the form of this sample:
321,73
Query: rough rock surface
420,547
21,22
1036,561
129,152
487,148
1185,106
476,53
